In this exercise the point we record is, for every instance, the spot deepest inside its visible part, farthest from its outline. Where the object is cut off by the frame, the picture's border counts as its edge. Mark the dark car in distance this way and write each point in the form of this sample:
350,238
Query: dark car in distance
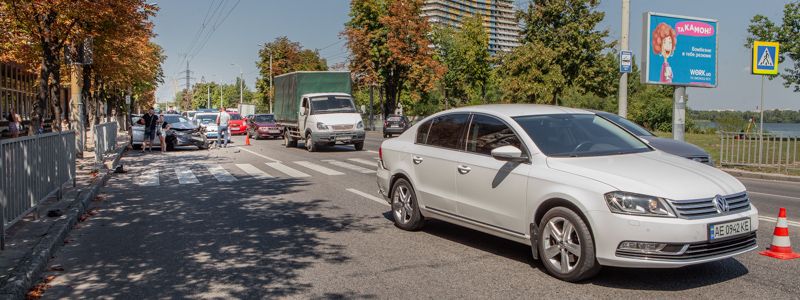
395,124
263,126
670,146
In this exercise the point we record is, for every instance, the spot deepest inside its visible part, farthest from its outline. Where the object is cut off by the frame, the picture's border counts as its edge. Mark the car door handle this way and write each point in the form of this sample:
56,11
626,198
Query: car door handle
416,159
464,170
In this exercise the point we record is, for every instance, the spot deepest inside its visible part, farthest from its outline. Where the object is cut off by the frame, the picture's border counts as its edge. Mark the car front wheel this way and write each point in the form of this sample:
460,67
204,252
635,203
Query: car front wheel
405,208
566,247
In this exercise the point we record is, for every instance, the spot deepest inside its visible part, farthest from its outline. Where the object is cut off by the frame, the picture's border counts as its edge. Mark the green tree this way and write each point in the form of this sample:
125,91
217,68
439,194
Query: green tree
567,28
530,74
464,52
287,57
787,34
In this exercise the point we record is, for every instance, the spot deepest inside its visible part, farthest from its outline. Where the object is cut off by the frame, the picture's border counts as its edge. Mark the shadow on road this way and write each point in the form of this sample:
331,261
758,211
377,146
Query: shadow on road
239,240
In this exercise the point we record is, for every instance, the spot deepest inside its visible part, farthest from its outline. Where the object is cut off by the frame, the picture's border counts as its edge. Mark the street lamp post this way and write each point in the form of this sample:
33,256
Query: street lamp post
270,80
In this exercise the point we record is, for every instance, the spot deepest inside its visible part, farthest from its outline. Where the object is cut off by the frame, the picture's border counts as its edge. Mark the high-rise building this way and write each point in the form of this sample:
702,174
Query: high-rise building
499,18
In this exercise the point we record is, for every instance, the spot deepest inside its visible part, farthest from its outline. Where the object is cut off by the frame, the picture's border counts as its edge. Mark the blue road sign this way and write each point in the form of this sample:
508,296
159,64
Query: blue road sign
625,61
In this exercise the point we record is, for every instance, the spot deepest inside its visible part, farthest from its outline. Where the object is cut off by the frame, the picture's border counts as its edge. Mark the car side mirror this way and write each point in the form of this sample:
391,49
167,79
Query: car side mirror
508,153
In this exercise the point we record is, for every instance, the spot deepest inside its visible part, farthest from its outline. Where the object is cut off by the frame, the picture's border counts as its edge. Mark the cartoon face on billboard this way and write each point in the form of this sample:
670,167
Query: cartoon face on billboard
679,51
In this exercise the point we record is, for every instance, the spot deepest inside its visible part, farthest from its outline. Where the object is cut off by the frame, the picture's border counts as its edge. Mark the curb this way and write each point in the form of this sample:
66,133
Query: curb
30,269
765,176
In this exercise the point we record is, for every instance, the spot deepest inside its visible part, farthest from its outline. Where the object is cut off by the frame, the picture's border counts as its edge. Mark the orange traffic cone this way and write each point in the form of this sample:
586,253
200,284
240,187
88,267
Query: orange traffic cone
247,139
781,247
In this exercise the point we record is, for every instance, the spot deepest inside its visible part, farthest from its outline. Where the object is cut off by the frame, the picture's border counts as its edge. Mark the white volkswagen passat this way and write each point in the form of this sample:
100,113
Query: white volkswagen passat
580,190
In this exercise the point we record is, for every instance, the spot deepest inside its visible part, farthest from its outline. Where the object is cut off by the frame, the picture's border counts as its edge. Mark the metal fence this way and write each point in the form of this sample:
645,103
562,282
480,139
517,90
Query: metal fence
772,151
33,168
105,139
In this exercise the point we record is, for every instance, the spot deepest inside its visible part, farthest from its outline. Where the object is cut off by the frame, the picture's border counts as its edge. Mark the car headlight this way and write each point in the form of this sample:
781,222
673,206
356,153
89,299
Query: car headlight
322,126
637,204
360,125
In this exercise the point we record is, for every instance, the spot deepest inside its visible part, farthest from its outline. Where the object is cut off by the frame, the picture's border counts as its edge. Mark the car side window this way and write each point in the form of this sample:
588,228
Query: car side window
422,132
446,131
487,133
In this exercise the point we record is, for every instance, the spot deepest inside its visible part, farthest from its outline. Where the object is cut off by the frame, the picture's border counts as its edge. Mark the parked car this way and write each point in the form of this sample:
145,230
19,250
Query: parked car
237,124
209,122
263,126
670,146
182,132
583,192
395,124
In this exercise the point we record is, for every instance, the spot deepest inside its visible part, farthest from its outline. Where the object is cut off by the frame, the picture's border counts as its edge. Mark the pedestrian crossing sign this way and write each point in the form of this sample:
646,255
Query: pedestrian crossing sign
765,58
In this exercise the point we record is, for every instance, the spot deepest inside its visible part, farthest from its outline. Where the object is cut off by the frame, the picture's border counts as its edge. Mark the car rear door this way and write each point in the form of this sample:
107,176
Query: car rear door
491,191
434,160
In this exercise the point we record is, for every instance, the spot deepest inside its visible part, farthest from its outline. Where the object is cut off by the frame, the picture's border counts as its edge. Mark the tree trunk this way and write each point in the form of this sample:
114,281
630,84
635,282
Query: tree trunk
41,98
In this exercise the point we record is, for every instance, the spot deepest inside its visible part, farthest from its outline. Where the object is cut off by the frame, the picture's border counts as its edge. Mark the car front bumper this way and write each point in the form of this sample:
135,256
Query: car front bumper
687,239
346,137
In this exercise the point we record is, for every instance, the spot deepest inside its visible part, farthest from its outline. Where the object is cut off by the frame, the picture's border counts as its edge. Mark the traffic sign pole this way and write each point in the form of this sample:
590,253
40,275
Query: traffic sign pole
761,125
623,79
679,113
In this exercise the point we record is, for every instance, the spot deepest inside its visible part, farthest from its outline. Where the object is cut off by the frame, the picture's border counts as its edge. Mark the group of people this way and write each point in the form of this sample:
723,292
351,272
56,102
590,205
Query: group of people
156,126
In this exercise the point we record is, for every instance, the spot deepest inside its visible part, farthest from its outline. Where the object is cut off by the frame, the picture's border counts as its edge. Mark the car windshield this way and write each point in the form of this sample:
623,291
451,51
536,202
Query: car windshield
175,119
207,119
264,118
627,124
236,117
577,135
332,104
394,119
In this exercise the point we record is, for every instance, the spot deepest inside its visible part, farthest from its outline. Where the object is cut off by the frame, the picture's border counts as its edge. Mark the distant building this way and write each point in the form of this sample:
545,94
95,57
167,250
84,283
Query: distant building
499,18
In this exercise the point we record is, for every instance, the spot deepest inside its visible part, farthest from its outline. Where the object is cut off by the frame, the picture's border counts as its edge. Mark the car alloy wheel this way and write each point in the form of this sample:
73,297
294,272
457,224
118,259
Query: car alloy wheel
561,245
405,208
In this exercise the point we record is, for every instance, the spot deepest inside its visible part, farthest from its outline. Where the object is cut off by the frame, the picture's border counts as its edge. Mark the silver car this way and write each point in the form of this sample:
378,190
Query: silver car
182,132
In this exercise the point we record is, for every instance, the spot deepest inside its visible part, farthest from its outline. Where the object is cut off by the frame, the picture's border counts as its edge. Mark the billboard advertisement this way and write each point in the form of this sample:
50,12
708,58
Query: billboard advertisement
679,50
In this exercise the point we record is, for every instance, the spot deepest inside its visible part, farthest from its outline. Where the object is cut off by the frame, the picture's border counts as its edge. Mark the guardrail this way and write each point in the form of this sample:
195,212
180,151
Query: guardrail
33,168
105,139
770,151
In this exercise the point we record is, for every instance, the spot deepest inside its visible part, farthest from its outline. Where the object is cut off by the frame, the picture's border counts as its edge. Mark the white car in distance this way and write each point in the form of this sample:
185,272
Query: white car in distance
582,191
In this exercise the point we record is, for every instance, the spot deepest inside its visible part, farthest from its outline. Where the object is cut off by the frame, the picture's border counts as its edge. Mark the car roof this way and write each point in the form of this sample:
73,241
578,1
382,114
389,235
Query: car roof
515,110
206,114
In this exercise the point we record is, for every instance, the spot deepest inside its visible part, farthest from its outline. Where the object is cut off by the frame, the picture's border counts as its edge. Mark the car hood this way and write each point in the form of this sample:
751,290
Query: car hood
675,147
652,173
337,119
183,126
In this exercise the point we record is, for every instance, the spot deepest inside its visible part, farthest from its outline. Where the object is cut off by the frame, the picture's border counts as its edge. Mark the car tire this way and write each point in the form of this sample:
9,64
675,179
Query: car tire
288,141
405,209
576,245
359,146
170,145
136,146
310,145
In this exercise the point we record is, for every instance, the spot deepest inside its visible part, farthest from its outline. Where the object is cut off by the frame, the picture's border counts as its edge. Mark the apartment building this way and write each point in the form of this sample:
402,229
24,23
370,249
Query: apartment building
499,18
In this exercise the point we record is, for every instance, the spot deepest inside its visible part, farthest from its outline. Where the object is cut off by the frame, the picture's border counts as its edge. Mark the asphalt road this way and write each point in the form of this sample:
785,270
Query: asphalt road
264,221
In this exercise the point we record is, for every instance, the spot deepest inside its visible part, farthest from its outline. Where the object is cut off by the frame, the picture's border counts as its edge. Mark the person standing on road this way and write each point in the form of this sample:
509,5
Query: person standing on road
163,126
222,126
149,121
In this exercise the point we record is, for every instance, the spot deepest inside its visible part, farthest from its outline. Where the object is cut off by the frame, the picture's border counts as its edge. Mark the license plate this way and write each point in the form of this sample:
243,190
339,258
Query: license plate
274,131
343,138
728,229
395,126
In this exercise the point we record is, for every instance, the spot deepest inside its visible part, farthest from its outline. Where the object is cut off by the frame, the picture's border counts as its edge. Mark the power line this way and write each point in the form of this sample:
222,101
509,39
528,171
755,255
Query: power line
214,29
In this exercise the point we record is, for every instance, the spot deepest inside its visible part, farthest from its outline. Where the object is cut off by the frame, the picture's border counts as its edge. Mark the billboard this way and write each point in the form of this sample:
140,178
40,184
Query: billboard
679,50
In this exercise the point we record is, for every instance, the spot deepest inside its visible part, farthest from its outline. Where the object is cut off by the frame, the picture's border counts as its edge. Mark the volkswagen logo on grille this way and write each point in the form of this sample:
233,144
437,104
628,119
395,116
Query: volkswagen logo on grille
721,204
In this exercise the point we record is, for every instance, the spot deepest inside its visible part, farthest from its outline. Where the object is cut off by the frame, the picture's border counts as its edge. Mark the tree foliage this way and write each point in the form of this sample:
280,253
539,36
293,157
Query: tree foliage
389,43
464,53
287,57
787,34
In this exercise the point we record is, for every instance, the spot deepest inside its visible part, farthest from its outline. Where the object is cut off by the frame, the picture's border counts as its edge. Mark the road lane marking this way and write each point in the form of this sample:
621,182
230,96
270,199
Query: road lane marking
774,220
220,173
372,151
773,195
348,166
287,170
318,168
253,171
368,196
148,178
373,163
185,175
259,155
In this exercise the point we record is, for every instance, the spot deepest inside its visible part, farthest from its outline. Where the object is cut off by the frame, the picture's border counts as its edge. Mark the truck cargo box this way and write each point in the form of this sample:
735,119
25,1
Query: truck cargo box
290,87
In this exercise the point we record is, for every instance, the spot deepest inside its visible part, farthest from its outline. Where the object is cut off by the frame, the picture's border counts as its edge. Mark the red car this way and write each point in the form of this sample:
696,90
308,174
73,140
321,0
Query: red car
263,126
237,125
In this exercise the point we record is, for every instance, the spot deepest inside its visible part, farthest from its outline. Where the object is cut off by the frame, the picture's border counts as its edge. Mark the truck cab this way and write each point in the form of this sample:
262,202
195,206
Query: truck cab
329,119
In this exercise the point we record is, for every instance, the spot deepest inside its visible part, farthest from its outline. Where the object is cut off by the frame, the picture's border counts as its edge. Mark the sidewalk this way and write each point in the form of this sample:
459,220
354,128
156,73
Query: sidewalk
32,235
759,175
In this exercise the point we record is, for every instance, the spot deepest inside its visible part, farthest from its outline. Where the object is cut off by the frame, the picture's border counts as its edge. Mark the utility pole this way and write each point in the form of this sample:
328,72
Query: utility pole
186,95
371,115
679,113
270,80
623,79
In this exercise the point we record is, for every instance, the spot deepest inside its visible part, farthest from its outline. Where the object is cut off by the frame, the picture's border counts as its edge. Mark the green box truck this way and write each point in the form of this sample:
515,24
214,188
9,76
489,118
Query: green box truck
317,108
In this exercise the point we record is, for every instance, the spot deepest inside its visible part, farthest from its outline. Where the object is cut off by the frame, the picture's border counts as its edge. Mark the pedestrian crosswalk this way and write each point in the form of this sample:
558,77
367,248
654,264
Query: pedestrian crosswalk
196,174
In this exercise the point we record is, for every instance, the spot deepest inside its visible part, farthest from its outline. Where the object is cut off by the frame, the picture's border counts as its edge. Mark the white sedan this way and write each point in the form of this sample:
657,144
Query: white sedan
582,191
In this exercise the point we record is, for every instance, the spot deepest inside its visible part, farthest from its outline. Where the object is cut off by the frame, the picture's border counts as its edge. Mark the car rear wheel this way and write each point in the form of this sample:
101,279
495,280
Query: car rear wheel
288,141
405,209
566,247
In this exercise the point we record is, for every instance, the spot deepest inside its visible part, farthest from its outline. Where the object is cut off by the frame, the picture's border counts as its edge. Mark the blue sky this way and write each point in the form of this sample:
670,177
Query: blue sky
316,24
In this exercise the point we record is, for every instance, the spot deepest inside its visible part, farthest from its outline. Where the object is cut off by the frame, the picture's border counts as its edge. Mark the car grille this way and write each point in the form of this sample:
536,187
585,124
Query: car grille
707,208
342,127
701,249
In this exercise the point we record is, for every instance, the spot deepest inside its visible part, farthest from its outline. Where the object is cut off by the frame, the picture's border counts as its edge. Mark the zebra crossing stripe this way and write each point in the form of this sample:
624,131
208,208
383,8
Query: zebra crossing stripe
185,175
253,171
220,173
318,168
348,166
373,163
287,170
148,178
